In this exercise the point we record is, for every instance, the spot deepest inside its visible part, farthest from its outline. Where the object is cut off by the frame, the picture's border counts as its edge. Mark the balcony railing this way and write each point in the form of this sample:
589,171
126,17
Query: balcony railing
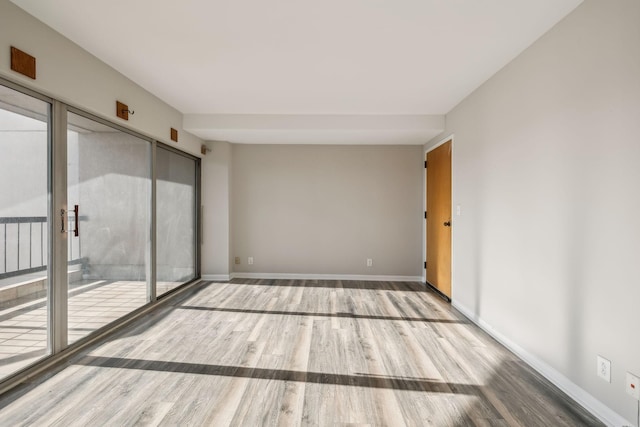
23,243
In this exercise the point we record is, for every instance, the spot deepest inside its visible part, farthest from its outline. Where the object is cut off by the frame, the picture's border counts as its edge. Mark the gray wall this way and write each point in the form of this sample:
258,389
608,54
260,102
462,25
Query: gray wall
326,209
545,169
217,246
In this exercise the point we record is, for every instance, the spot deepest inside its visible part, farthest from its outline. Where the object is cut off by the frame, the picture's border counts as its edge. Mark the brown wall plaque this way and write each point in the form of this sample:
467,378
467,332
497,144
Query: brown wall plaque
174,135
23,63
122,110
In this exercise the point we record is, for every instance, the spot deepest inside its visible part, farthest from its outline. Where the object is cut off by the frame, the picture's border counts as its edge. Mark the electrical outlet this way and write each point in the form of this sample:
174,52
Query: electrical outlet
250,260
237,260
633,386
369,262
604,369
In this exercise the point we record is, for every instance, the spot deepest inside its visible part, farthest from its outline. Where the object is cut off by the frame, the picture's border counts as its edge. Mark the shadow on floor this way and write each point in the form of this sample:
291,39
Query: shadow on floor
23,356
371,381
303,313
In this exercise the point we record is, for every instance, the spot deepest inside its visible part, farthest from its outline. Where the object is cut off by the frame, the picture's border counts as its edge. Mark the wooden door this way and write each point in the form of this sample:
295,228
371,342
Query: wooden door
439,218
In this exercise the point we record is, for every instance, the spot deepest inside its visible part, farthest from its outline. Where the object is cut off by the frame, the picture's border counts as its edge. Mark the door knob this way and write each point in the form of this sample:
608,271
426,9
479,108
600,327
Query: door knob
447,224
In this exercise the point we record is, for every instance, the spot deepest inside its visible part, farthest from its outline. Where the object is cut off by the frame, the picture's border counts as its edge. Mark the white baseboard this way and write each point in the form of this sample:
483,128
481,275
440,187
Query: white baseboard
590,403
295,276
217,277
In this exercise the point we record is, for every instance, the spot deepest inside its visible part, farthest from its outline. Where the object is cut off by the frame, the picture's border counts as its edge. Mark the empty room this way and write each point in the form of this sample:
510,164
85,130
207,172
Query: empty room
362,213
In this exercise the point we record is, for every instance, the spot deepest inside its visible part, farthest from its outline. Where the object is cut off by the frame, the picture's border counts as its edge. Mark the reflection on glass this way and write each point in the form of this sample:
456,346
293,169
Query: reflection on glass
176,219
108,179
24,224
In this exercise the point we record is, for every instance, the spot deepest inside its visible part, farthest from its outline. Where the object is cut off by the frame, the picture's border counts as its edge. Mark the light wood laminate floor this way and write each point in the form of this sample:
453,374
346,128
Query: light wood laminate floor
291,352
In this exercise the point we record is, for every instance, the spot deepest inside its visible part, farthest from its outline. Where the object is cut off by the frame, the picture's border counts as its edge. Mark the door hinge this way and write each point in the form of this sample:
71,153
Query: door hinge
425,164
425,265
425,214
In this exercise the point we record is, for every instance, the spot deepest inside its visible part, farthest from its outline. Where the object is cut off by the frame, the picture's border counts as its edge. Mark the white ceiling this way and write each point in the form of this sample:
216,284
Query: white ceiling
302,57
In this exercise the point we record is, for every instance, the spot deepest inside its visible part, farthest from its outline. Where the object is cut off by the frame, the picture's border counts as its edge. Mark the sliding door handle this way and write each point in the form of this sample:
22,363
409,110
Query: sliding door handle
63,220
76,226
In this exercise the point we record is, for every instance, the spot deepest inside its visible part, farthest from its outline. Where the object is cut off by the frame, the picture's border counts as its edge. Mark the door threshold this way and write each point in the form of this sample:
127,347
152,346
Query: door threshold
438,292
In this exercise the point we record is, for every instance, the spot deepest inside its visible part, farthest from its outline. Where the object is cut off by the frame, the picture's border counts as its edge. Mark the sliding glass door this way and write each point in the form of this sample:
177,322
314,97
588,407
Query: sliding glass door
96,221
176,191
109,204
24,229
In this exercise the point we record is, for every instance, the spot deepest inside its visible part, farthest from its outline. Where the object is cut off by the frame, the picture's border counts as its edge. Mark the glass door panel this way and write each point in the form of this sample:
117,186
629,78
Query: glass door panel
109,185
24,230
176,219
